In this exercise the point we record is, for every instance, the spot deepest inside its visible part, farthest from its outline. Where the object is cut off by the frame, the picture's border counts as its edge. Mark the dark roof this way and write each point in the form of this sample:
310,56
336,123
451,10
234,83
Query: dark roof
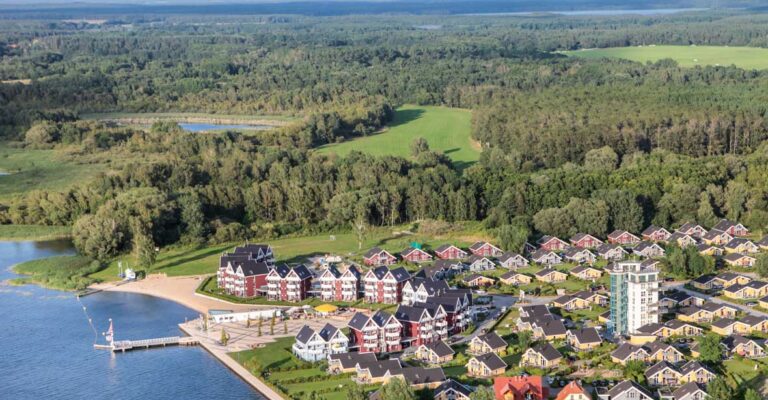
251,267
658,367
736,242
645,245
546,350
688,389
251,248
688,226
692,366
401,274
712,306
445,247
573,251
380,368
704,279
650,329
478,245
492,361
724,225
541,253
474,258
618,232
732,341
328,332
493,340
305,333
729,276
691,310
349,360
653,228
723,323
508,256
735,256
551,326
763,242
625,386
657,345
410,314
358,321
227,258
457,387
547,238
381,317
752,320
587,335
372,252
546,271
509,274
301,271
606,247
625,350
471,277
713,233
333,271
704,246
676,323
440,348
421,375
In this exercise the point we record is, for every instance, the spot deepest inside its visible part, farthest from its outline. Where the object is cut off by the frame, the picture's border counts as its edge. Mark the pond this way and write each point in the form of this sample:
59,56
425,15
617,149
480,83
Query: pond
198,127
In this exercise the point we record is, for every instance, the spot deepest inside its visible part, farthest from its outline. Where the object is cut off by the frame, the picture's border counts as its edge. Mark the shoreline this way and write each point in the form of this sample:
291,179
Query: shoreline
216,352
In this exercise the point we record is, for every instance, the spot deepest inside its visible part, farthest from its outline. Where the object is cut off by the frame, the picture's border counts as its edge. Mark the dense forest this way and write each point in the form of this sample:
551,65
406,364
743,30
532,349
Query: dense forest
568,144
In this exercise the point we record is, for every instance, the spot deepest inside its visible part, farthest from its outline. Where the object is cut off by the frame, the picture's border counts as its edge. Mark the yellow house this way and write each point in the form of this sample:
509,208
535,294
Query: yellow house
720,310
660,351
550,275
486,366
751,290
584,339
663,374
755,323
727,326
542,355
763,302
695,314
515,278
586,272
489,343
693,371
435,353
570,303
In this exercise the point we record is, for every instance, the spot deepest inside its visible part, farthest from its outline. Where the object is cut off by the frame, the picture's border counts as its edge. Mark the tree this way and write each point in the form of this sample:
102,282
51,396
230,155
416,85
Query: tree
524,339
193,218
709,349
706,213
143,245
419,146
42,134
285,327
554,221
483,393
360,226
224,339
356,392
752,394
635,370
261,322
96,237
602,159
718,389
761,264
397,389
513,237
272,325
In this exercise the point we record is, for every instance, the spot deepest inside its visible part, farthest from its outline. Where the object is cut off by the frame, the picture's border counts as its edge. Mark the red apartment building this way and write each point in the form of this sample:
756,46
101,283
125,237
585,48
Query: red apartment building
382,285
379,333
286,283
340,286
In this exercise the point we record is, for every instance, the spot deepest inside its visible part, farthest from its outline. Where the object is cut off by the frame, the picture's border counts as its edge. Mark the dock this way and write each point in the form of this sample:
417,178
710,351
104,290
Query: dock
126,345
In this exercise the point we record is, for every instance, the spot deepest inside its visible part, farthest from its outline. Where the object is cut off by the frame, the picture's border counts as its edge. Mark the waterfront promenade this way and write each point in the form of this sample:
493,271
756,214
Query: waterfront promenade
243,338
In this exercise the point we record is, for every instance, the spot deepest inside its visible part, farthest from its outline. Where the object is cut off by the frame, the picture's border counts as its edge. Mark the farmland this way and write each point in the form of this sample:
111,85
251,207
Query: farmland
447,130
686,56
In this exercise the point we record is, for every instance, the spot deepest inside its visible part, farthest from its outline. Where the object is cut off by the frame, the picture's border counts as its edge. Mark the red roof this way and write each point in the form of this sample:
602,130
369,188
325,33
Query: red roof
519,387
572,388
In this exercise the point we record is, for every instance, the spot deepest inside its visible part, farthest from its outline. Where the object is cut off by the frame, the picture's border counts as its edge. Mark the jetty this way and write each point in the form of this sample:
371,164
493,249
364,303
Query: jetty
126,345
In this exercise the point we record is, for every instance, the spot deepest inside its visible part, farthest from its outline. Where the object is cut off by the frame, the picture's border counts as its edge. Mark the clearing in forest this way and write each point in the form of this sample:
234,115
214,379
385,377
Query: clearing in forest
686,56
447,130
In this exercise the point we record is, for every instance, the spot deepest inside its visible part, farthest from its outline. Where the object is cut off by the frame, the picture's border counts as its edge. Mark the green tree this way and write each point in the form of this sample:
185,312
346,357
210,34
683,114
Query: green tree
752,394
193,218
635,370
356,392
224,338
718,389
706,213
285,327
483,393
554,221
261,321
761,264
272,326
97,237
397,389
709,349
143,245
602,159
513,237
419,146
524,340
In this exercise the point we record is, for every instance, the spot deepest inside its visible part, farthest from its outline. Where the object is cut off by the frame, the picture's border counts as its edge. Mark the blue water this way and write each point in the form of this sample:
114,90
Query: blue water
46,344
603,13
189,127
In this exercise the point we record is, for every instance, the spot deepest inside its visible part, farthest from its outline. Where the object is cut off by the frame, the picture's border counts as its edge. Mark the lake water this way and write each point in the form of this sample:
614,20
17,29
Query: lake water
645,12
191,127
46,344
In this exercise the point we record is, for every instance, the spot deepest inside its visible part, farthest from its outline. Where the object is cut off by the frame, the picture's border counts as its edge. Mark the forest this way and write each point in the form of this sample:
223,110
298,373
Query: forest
567,144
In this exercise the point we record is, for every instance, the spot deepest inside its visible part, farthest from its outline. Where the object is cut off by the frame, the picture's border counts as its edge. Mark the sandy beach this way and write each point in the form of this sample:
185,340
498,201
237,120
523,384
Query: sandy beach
180,289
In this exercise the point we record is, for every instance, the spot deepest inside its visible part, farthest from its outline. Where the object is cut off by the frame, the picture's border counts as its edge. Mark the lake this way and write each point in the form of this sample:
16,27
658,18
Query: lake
598,13
195,127
47,351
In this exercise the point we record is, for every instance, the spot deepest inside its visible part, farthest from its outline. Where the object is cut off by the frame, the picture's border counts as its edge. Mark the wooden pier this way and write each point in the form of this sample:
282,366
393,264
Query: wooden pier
126,345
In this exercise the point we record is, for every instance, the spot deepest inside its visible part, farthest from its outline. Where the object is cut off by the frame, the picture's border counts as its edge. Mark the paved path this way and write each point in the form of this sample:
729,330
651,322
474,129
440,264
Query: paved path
748,310
220,352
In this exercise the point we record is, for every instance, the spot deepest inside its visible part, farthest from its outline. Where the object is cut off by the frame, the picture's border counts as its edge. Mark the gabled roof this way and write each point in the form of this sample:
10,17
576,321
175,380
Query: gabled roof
379,369
480,245
400,274
653,228
349,360
729,276
574,251
510,274
551,326
251,267
440,348
421,375
451,385
733,341
625,386
408,251
659,367
410,314
608,247
714,307
581,236
689,389
689,226
518,386
753,320
723,323
508,256
374,251
305,333
475,258
763,242
493,340
704,279
546,350
328,332
491,360
547,238
252,248
546,271
714,233
693,366
586,335
625,350
381,317
650,329
736,257
301,271
581,268
724,225
542,253
445,247
642,246
619,232
736,242
572,389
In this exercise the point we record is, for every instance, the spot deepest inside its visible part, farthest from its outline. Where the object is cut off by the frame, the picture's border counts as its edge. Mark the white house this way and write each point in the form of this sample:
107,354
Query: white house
317,346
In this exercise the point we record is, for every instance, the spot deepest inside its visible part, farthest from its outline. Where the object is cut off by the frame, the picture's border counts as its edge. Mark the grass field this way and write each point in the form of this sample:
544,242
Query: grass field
686,56
61,272
187,260
29,169
33,232
446,130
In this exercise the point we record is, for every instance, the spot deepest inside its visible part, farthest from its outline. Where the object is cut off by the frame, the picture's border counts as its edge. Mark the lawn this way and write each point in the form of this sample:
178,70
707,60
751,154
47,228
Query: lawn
741,371
29,169
686,56
447,130
60,272
33,232
187,260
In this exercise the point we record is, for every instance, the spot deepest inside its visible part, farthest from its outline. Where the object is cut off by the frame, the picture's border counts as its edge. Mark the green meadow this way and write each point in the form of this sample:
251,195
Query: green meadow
447,130
686,56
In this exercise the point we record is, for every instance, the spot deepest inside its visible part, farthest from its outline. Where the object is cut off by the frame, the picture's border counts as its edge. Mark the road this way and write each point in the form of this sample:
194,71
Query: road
680,286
